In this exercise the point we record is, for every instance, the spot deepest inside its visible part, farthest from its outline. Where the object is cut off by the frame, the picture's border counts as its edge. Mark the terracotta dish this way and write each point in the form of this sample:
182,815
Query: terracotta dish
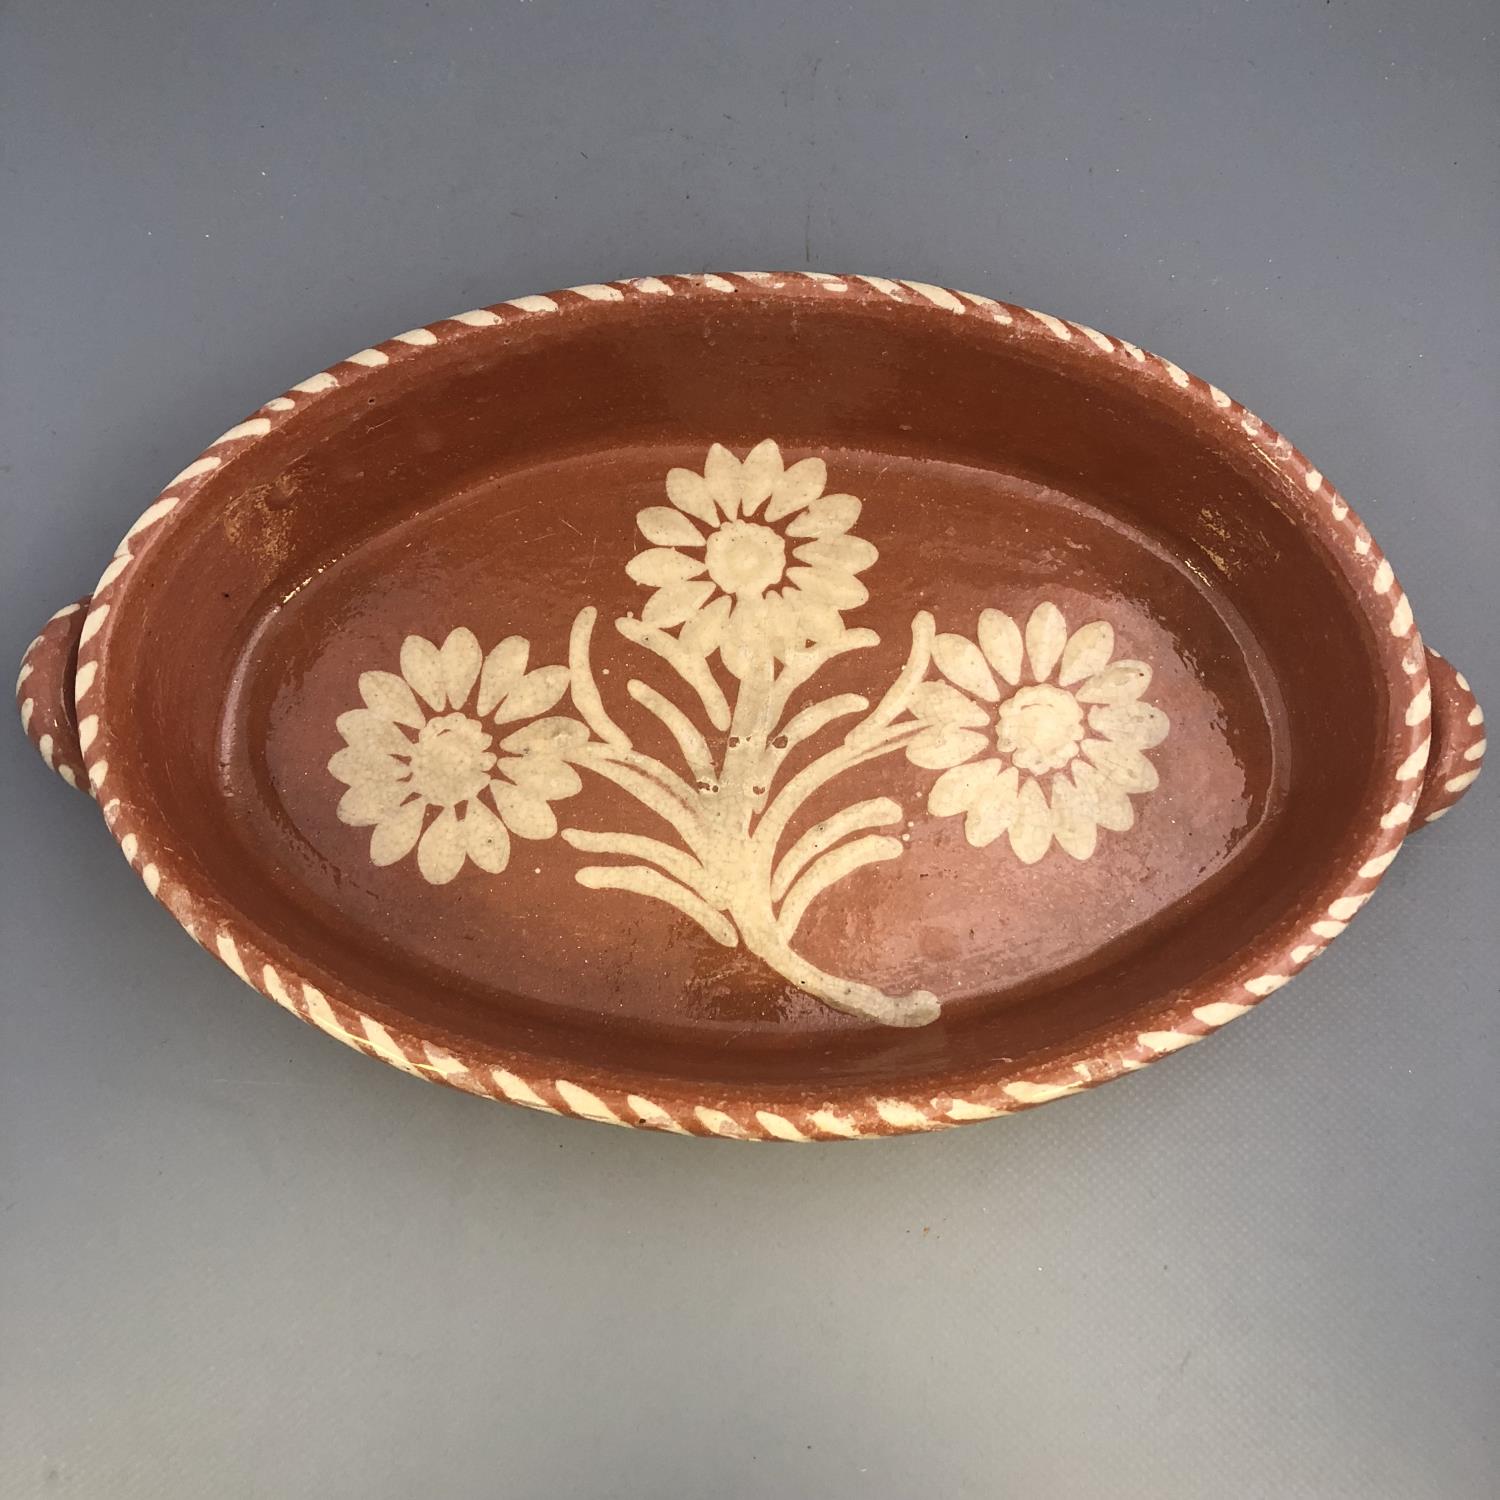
766,706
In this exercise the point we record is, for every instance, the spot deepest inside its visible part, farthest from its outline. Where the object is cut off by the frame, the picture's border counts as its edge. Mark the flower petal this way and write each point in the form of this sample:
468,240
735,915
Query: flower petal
852,554
389,696
534,694
440,855
1073,824
358,765
1088,651
1108,805
829,586
667,527
1000,638
758,475
816,621
485,838
687,491
394,836
962,663
746,636
702,634
721,477
554,736
525,814
1120,682
660,566
1140,725
544,776
374,802
828,515
1127,768
1031,827
940,703
993,810
783,628
1046,635
461,658
367,730
938,749
502,671
798,486
673,604
422,667
960,787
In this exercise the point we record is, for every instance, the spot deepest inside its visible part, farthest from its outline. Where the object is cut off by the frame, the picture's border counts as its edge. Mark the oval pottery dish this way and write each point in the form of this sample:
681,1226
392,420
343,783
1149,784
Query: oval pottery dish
773,706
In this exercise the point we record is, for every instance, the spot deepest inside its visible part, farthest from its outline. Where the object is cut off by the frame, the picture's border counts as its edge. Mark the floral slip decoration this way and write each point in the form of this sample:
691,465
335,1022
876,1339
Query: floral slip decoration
1038,733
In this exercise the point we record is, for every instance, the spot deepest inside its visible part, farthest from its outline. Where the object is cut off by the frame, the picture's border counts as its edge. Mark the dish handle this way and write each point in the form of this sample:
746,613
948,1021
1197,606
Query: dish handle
1457,740
44,693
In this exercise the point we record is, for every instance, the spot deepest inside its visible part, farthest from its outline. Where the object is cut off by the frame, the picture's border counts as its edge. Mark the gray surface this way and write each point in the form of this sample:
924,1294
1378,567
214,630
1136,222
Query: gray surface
240,1261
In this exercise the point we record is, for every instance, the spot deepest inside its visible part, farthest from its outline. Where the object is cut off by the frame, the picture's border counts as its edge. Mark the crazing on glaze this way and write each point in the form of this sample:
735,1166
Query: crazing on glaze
1037,733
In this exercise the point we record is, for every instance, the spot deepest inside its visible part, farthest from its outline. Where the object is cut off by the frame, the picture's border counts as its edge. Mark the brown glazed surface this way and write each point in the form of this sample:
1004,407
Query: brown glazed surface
493,479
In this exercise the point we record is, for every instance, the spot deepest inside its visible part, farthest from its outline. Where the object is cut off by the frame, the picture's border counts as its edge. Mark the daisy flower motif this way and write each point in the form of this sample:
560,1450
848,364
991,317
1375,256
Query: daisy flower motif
751,556
419,744
1059,756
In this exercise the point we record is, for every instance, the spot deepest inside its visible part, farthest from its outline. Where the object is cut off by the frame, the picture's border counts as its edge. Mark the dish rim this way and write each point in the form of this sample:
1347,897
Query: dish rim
844,1110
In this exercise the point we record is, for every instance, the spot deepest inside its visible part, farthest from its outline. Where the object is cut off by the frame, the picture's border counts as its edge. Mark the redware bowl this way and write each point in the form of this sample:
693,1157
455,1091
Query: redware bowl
766,706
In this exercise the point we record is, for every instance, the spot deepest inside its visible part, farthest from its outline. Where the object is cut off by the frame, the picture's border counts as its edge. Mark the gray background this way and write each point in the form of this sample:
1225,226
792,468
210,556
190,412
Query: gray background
238,1260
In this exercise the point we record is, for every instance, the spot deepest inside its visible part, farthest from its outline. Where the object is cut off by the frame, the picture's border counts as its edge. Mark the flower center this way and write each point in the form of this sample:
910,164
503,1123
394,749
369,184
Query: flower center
744,558
1040,728
451,760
